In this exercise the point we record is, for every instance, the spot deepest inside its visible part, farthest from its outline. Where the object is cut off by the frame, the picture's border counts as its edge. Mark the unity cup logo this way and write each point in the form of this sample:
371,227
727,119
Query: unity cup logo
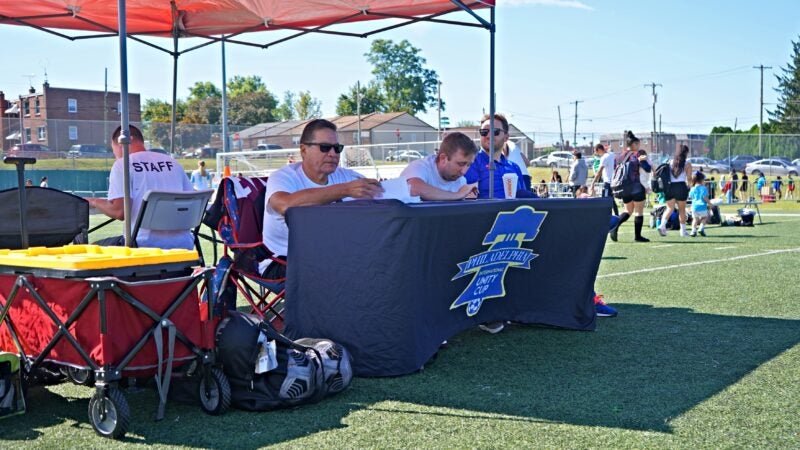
505,239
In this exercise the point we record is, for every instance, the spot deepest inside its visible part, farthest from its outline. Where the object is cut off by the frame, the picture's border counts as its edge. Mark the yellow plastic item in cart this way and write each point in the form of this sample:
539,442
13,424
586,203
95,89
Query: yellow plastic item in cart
90,257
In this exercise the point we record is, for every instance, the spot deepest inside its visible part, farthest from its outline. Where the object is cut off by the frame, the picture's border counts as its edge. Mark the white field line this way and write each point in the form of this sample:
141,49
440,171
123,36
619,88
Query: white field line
662,246
699,263
724,248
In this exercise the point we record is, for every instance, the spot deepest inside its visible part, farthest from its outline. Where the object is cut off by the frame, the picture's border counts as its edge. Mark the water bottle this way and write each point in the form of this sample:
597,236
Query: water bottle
658,222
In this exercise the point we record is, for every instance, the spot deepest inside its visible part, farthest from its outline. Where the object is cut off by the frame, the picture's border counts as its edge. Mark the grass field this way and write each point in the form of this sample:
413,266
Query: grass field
704,354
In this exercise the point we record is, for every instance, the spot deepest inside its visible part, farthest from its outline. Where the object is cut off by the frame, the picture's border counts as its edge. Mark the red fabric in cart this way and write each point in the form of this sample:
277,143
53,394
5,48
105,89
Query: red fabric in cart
125,324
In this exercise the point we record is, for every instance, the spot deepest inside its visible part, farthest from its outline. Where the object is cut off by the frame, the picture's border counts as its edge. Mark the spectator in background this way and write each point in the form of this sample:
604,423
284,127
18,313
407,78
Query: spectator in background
43,182
605,173
678,189
541,190
699,196
734,185
201,179
777,185
28,182
712,187
578,172
634,202
555,177
743,187
790,188
761,181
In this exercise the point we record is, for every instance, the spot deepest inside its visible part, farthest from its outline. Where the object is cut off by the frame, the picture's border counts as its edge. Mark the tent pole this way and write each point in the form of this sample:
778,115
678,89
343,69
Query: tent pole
174,92
124,137
225,144
491,103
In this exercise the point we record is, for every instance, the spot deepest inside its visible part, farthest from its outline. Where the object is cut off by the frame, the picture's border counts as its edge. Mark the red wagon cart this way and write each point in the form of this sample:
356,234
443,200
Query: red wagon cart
108,313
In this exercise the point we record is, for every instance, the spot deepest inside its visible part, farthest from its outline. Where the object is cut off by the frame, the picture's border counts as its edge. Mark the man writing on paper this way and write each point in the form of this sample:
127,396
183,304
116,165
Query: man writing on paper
317,180
441,176
479,170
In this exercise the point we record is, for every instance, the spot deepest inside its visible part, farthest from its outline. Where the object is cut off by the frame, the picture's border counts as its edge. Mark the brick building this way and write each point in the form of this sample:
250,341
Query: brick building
62,117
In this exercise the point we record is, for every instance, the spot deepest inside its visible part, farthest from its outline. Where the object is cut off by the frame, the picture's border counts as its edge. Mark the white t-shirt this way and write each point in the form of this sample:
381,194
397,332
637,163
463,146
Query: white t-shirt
607,166
515,156
290,179
151,171
200,182
425,169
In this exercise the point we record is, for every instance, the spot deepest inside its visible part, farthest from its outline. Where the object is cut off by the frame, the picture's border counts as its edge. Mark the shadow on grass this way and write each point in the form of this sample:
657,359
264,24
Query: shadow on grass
637,371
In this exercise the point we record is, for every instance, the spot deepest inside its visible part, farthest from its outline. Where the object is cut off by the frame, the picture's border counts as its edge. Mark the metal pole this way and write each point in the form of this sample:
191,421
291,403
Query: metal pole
358,110
560,128
491,102
124,137
761,106
174,113
225,144
105,107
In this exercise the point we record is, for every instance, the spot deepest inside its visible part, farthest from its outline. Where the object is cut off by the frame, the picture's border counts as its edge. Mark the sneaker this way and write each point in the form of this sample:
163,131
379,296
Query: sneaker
602,309
693,234
702,233
492,327
443,344
684,233
662,232
613,234
641,239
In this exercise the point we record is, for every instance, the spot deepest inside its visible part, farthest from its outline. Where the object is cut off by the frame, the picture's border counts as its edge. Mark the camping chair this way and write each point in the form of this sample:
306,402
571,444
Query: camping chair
54,218
238,216
172,211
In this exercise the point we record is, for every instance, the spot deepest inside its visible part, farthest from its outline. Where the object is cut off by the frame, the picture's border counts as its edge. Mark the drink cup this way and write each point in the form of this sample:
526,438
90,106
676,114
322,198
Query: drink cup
510,185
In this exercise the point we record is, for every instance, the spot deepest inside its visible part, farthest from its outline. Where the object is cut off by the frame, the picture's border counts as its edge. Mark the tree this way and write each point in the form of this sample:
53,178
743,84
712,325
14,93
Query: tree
405,83
371,100
156,110
242,85
787,112
206,110
307,107
466,124
250,108
285,110
202,90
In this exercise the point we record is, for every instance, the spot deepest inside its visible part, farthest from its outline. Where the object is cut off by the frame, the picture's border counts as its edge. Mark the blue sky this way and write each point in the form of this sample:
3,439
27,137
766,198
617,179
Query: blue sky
549,53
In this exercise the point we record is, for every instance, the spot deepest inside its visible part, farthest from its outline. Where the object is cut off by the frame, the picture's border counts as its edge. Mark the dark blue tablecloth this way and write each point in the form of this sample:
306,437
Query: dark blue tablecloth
391,281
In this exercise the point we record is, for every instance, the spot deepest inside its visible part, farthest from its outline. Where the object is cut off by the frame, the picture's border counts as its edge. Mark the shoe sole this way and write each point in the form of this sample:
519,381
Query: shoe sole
606,315
491,330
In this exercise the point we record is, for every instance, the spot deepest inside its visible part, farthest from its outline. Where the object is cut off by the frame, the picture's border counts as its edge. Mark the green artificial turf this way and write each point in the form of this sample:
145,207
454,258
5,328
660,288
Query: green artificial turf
704,354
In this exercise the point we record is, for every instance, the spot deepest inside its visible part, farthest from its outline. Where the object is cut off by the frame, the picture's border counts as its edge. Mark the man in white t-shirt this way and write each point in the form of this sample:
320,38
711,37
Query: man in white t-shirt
317,180
605,172
441,176
149,171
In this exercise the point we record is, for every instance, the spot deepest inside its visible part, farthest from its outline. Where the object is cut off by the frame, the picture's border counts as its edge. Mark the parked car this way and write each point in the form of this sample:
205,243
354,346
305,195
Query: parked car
707,164
206,152
88,151
738,162
29,148
796,162
158,150
268,147
539,161
771,167
559,159
405,155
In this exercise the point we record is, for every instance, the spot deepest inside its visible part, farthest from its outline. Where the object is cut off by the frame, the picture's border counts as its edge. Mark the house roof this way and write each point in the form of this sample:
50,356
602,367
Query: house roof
343,123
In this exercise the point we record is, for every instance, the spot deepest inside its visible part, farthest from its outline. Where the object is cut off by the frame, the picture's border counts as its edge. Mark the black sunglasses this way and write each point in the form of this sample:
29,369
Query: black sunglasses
325,148
485,132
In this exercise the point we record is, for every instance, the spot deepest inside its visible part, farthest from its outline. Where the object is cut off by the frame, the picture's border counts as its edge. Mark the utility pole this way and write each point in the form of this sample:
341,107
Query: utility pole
105,108
761,106
560,128
439,108
358,110
654,149
575,129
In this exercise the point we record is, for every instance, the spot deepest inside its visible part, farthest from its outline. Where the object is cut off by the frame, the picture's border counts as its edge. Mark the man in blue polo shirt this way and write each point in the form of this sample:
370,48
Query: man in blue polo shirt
479,170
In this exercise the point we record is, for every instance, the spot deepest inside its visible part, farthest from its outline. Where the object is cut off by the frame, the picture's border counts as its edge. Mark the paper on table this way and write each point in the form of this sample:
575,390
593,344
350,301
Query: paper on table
397,188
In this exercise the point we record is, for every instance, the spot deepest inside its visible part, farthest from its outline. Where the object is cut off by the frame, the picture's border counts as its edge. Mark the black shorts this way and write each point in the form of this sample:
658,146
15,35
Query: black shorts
638,197
677,191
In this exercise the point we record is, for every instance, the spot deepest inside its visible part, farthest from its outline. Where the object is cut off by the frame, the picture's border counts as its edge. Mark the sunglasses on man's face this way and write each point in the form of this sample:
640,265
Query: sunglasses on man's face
485,132
325,148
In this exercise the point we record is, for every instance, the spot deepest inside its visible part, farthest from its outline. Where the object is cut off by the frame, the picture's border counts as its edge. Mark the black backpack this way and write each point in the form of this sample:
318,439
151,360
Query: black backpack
661,179
304,374
624,182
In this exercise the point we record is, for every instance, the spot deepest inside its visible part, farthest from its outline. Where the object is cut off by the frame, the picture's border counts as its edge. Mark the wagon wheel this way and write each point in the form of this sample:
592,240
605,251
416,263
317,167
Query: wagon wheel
109,413
81,377
215,392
